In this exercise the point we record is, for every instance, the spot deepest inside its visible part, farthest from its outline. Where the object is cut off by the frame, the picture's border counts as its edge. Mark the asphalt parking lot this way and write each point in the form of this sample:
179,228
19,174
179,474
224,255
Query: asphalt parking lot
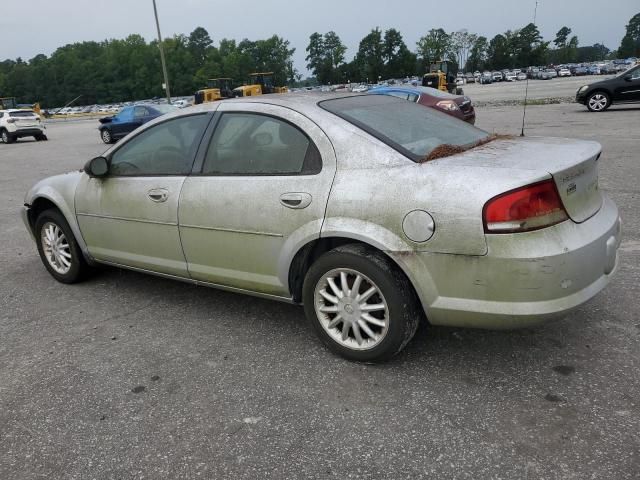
128,376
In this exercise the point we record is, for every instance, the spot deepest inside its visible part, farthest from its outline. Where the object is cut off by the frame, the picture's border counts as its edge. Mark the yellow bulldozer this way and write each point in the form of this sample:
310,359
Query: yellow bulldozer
217,89
442,77
259,84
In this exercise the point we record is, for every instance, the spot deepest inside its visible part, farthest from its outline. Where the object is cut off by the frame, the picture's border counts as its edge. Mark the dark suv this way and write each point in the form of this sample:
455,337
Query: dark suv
623,88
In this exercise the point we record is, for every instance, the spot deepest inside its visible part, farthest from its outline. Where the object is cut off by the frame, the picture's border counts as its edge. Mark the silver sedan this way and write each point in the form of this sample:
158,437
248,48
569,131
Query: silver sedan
371,211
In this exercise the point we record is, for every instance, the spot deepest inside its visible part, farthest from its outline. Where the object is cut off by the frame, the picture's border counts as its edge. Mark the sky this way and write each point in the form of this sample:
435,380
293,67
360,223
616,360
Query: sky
41,26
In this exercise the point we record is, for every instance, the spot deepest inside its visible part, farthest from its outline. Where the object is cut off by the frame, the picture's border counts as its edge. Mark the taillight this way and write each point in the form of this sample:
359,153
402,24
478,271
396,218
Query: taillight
528,208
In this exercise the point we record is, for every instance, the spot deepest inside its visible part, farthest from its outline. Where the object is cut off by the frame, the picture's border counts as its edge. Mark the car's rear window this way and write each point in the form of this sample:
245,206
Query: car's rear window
414,130
25,113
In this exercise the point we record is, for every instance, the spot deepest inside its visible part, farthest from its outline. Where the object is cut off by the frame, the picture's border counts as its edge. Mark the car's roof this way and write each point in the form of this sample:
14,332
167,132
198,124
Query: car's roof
300,101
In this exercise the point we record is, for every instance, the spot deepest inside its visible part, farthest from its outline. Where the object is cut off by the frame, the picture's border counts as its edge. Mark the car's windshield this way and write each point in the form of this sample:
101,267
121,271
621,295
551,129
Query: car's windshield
414,130
632,70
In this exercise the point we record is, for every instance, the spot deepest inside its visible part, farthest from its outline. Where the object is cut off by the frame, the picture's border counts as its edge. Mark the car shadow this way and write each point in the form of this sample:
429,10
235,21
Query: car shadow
454,351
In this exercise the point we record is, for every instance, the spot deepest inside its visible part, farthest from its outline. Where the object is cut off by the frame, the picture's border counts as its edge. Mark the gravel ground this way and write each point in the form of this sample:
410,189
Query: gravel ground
129,376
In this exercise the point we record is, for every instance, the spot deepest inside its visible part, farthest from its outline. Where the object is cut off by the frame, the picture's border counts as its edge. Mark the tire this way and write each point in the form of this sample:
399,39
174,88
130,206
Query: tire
7,137
598,101
106,136
40,137
392,313
51,223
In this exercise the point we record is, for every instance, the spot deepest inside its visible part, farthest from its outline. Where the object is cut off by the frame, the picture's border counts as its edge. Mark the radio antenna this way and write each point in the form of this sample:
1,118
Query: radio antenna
526,90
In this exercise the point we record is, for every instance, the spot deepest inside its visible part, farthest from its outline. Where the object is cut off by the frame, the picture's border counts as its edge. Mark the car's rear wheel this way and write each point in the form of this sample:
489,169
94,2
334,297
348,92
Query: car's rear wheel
7,137
360,304
40,137
598,102
58,248
106,136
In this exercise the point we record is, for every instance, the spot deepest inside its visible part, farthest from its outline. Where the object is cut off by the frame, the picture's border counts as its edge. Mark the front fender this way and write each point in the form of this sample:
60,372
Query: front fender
60,190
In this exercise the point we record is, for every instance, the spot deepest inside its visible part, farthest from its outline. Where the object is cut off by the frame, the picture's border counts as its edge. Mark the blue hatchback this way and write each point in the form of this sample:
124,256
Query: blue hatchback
128,119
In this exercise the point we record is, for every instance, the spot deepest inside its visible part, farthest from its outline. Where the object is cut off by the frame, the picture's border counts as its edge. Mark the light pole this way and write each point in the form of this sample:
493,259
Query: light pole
164,64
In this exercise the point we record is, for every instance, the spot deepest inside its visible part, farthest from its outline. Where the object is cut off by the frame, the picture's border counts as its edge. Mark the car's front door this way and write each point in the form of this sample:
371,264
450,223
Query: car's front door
260,195
628,87
130,217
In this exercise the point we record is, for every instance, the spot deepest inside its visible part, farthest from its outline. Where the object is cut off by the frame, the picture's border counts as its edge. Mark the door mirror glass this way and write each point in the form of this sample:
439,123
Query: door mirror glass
97,167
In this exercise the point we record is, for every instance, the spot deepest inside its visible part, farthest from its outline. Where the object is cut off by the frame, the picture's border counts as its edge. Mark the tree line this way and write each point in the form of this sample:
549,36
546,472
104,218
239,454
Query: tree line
128,69
386,55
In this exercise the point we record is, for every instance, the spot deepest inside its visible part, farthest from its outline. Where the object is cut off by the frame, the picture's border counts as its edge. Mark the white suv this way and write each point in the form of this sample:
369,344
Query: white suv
16,123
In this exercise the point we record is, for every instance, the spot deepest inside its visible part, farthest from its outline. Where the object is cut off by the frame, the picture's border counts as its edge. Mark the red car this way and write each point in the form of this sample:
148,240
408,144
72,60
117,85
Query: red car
459,106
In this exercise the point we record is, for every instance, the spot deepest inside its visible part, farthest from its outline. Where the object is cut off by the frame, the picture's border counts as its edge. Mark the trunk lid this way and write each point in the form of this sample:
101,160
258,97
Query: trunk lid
573,165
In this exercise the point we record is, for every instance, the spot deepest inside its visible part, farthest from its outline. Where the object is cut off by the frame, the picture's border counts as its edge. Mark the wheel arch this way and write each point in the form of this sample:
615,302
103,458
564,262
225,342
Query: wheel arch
50,199
308,253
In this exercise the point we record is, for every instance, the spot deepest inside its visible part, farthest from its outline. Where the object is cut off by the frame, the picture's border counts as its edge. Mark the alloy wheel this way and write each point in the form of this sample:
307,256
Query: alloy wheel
351,309
56,248
598,102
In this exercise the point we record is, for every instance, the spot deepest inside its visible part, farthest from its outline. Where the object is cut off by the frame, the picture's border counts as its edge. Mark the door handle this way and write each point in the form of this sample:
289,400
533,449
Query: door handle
295,200
158,195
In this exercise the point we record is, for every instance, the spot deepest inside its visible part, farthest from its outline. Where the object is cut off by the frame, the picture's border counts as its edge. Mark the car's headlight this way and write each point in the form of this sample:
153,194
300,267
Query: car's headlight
583,88
448,105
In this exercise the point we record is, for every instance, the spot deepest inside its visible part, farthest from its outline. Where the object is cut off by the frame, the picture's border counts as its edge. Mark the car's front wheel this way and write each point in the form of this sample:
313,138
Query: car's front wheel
598,102
360,304
58,248
106,136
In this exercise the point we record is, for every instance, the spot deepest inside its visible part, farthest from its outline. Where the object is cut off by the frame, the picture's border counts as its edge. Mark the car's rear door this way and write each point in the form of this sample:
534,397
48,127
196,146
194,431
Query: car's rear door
258,196
130,217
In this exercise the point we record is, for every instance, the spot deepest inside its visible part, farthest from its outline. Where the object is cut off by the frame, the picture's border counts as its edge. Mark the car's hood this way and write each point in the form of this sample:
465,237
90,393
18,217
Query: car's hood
605,82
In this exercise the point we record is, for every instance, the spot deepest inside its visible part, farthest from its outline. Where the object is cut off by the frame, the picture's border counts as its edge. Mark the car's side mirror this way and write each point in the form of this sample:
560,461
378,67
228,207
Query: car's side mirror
97,167
628,77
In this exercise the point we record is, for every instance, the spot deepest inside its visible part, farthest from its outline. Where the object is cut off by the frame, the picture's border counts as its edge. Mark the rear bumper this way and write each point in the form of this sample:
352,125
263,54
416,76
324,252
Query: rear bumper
525,279
27,132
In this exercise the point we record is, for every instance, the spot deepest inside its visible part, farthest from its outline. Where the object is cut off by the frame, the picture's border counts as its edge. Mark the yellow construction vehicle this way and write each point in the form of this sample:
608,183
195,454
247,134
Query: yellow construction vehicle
217,89
259,84
10,102
442,77
7,103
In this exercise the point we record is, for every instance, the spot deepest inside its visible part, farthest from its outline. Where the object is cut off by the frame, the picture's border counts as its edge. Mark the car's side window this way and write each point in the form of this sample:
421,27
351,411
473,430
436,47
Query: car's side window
140,112
254,144
636,74
167,148
402,95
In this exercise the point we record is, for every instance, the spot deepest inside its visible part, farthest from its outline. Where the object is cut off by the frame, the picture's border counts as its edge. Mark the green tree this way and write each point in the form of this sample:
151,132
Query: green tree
325,56
433,46
561,37
478,55
370,56
398,60
498,54
630,45
198,43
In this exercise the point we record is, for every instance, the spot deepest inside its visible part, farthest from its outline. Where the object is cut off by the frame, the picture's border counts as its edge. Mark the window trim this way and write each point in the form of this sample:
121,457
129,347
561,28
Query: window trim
211,130
143,130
